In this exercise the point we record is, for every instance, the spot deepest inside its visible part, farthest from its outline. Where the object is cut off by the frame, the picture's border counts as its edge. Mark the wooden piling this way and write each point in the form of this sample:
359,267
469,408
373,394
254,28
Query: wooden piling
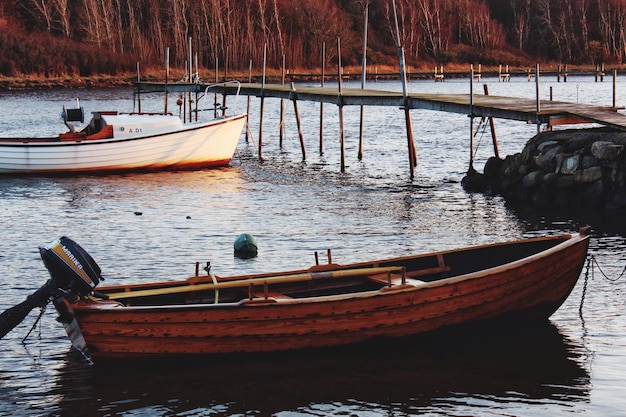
478,75
615,89
600,72
281,128
407,113
249,100
561,71
322,104
504,76
471,116
538,98
298,122
167,74
439,77
262,103
340,104
363,76
492,126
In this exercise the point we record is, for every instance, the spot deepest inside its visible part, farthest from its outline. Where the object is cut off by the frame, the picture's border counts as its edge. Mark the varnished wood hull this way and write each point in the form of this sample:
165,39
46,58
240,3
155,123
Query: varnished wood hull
536,280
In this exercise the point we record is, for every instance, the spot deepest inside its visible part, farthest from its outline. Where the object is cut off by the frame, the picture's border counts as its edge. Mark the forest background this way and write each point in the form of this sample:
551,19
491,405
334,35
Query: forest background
48,39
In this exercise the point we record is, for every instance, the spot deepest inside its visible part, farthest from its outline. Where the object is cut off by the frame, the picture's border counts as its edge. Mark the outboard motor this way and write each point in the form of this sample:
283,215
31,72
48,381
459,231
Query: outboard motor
71,269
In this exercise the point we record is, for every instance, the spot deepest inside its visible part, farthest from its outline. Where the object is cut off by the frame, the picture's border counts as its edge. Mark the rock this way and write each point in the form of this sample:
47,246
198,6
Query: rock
589,161
546,160
533,179
589,175
474,181
565,199
565,181
546,146
593,196
493,166
550,180
606,150
567,164
565,170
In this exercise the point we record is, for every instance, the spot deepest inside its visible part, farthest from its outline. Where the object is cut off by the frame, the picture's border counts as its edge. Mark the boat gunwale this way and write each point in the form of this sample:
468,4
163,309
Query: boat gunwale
385,291
56,141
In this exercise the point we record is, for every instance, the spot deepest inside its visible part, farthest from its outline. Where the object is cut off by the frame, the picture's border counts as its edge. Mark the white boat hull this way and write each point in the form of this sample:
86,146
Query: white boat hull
139,143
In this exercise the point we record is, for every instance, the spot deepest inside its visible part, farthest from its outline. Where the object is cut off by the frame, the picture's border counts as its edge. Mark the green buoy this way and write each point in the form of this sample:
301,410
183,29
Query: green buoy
245,246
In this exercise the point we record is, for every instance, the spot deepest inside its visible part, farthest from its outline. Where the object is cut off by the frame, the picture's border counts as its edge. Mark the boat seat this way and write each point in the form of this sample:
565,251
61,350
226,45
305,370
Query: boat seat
270,294
396,279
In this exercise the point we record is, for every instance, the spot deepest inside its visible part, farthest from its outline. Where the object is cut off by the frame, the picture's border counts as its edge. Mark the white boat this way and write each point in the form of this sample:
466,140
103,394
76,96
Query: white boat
122,142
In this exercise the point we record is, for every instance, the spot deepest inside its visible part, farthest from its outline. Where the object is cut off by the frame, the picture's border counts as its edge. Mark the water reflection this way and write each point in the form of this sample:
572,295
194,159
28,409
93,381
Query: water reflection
443,374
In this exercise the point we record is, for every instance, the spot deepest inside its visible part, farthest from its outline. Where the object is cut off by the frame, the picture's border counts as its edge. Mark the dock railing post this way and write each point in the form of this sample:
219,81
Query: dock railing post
407,113
538,98
298,121
322,103
167,74
363,76
262,102
340,104
492,125
615,89
281,128
248,107
471,116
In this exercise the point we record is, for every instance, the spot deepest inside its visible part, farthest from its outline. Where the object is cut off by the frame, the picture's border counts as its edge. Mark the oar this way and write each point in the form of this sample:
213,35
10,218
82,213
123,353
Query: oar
10,318
255,281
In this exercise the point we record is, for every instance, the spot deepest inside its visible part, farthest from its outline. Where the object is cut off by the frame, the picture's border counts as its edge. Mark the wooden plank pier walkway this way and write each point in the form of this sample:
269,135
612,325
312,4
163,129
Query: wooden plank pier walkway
540,112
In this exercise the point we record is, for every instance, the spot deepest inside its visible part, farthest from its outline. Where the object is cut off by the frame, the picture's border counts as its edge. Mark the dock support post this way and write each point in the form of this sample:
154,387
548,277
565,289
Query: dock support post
492,126
294,97
281,128
138,91
248,107
538,98
167,74
363,76
615,89
322,104
262,103
471,116
340,104
407,115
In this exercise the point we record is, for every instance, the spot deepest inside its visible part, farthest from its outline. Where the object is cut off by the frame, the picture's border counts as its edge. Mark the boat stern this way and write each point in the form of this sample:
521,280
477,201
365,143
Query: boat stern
71,326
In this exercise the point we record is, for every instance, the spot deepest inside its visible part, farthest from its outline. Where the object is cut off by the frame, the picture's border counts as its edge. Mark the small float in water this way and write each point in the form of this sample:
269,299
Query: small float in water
245,246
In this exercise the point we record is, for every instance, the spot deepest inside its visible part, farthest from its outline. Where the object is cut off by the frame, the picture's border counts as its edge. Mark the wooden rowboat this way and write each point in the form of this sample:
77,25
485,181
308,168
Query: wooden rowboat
326,305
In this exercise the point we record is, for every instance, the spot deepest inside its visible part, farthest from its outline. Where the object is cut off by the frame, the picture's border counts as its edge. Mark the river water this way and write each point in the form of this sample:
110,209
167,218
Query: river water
144,227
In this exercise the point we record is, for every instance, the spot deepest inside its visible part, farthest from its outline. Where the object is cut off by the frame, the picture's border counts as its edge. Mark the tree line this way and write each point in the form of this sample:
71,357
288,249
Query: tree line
110,33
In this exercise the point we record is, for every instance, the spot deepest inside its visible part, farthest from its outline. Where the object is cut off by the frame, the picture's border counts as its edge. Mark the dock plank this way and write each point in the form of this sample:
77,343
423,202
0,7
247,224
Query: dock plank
512,108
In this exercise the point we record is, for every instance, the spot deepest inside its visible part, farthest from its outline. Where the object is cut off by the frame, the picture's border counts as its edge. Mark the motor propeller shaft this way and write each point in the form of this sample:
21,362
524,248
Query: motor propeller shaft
13,316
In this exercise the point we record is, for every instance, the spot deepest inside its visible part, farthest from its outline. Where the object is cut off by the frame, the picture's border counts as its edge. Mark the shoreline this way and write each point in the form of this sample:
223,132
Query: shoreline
455,71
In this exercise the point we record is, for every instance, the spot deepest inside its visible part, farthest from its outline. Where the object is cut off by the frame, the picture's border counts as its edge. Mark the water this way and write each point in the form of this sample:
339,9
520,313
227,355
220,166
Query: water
145,227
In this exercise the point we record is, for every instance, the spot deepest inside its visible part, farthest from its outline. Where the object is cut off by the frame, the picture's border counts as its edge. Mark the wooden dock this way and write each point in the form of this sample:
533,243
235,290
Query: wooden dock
551,113
540,112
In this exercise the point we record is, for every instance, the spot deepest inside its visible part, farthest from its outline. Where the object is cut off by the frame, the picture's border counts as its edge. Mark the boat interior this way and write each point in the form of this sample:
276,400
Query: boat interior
327,279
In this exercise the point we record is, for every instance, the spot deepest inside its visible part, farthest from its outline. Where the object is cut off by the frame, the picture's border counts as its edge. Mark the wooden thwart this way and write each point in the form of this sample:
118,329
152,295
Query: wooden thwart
279,279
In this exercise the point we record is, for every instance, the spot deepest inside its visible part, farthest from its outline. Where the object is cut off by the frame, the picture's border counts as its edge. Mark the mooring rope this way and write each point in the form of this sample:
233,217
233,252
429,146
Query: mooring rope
482,124
592,262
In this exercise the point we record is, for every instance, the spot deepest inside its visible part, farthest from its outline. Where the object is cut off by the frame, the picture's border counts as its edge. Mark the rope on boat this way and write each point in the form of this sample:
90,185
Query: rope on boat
592,262
595,262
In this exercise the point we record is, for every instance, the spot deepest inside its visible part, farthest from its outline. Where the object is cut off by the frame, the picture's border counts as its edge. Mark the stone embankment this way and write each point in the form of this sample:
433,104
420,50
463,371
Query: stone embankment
567,169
